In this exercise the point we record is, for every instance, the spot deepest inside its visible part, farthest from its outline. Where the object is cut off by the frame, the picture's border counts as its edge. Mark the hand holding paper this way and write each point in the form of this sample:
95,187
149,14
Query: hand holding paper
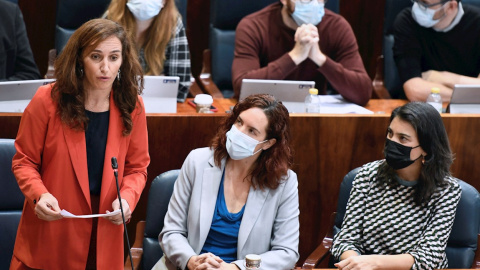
67,214
117,219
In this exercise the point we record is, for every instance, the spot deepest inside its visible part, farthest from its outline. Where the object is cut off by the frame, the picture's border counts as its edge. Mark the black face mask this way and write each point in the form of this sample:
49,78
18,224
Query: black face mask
398,155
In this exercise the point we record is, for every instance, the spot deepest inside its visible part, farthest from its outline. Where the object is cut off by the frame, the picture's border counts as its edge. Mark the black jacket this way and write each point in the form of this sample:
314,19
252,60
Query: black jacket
16,57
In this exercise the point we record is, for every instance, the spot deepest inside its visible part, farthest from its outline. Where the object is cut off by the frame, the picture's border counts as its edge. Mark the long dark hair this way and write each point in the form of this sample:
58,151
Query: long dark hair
433,139
68,90
272,164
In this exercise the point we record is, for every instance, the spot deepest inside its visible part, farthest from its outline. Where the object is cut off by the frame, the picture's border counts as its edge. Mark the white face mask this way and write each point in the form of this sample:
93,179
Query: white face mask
424,17
311,12
240,145
144,10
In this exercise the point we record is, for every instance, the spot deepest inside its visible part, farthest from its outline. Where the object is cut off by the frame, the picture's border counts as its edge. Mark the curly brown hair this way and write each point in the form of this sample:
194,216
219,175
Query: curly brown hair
271,167
68,91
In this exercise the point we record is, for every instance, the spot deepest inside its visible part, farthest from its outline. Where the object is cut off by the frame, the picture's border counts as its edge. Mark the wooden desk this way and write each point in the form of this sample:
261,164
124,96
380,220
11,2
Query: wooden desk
326,148
223,105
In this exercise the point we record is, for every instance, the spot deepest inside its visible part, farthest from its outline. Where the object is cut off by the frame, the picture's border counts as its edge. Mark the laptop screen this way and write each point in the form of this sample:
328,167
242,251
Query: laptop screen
465,94
160,94
465,99
291,93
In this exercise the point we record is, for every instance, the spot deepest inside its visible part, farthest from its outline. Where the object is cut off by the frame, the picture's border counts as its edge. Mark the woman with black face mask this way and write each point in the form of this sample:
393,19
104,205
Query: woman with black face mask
401,209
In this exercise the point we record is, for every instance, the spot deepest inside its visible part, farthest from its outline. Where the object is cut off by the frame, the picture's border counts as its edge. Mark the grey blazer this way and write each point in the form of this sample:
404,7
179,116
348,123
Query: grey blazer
269,227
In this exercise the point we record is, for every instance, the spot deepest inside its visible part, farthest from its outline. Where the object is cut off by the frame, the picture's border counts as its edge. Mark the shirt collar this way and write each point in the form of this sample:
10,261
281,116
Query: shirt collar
455,21
405,182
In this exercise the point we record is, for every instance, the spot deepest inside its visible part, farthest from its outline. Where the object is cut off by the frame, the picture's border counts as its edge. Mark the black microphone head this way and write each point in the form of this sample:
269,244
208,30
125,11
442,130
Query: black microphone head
114,163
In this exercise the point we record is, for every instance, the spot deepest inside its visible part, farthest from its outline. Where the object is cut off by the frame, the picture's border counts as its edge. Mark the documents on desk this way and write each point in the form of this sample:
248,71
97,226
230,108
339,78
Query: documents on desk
336,104
331,104
67,214
15,95
14,105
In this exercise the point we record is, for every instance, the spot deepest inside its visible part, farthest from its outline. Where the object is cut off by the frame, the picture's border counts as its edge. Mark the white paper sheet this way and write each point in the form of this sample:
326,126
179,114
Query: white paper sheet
336,104
67,214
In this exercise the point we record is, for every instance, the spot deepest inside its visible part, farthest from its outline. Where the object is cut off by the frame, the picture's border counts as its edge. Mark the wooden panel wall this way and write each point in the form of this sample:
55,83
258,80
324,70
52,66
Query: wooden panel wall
326,148
39,17
365,17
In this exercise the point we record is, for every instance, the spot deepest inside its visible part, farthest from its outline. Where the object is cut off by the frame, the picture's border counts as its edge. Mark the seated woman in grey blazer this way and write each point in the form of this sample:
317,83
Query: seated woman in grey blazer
236,197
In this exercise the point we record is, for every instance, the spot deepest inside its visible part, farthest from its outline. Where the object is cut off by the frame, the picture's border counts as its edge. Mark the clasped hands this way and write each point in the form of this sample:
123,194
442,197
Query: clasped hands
207,261
47,209
307,46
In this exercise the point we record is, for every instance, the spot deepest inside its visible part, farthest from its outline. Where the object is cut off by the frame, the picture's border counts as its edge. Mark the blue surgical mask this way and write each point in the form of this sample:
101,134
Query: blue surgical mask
144,10
240,145
311,12
424,16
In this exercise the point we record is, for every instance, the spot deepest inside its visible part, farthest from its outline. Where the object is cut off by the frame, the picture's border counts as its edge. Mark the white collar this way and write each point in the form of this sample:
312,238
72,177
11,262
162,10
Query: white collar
455,21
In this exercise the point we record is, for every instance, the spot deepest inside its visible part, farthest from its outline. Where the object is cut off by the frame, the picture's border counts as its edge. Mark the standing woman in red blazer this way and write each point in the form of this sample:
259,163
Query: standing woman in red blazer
68,134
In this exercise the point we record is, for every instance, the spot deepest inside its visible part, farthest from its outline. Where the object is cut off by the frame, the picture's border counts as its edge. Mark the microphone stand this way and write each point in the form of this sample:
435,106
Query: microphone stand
115,172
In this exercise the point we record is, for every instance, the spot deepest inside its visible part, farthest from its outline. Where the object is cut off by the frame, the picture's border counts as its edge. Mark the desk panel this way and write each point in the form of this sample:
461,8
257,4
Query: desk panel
326,148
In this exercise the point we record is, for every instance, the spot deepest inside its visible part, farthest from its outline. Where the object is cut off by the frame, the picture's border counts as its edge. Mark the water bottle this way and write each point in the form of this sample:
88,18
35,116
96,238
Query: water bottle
252,262
312,101
435,99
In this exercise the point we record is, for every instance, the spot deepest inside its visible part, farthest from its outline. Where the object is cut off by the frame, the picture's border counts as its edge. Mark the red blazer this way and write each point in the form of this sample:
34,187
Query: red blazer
51,157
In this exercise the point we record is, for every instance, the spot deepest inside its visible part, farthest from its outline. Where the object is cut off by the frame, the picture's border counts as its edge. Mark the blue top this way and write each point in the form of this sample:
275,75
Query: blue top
222,238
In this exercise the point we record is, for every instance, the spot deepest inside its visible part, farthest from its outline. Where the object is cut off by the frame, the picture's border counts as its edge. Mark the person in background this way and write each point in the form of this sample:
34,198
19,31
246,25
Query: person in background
67,136
436,45
401,209
301,40
156,27
16,57
236,197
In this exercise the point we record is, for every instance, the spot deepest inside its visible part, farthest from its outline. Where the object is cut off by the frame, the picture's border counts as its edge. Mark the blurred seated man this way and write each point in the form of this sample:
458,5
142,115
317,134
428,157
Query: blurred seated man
301,40
16,58
437,45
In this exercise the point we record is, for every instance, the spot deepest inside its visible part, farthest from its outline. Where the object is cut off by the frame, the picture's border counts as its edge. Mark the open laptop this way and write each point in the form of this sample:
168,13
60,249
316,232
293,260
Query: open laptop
465,99
160,94
15,95
291,93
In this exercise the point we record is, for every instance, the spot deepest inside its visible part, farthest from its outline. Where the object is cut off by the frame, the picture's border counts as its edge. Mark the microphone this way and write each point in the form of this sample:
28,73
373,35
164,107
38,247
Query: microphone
115,172
115,168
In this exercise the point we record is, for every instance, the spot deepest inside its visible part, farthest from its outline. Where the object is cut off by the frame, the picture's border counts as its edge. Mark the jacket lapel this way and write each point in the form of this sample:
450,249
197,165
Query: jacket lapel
210,185
255,201
114,137
77,149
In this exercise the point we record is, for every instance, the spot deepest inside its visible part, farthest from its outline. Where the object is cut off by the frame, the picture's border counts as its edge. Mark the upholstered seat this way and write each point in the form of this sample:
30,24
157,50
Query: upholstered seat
71,14
11,203
146,250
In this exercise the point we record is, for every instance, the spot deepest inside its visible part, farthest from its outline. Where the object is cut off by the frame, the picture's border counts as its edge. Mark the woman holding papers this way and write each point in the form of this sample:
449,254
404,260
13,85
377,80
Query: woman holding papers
401,209
236,197
157,29
67,136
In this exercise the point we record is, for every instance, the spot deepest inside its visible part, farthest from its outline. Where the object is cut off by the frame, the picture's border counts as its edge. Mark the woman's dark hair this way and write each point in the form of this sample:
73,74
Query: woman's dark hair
68,90
272,164
433,139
